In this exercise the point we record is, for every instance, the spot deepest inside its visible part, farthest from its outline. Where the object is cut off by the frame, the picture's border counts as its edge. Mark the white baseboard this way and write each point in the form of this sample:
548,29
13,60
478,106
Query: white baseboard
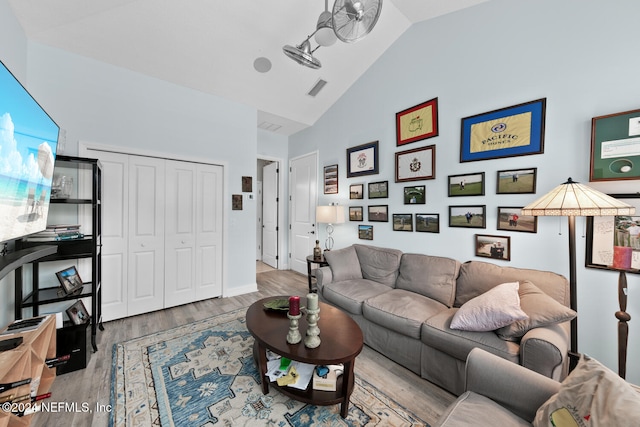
235,291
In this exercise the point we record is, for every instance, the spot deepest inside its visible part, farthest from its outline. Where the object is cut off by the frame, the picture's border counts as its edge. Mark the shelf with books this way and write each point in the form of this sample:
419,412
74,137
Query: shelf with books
77,236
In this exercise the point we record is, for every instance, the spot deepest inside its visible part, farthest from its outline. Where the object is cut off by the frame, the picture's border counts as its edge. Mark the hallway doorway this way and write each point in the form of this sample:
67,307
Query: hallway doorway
268,213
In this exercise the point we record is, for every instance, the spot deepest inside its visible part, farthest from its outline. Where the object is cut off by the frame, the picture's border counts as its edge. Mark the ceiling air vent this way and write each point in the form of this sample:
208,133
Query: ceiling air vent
269,126
317,87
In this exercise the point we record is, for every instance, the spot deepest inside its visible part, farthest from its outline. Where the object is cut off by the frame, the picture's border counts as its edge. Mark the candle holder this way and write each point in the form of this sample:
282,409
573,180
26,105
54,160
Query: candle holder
312,340
293,337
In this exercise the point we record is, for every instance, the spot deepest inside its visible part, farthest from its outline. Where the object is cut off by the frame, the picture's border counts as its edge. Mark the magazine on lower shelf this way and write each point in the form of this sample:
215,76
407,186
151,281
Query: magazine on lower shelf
303,372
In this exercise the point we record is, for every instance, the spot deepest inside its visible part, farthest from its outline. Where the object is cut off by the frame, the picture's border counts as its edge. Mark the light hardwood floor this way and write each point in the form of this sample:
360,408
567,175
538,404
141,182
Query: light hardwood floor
92,385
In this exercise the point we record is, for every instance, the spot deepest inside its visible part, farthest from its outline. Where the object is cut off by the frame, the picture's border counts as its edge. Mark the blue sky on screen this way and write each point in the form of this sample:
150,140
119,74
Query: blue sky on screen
23,127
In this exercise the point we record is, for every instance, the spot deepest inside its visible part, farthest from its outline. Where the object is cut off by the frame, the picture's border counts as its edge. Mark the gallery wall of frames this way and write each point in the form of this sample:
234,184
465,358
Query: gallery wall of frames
511,131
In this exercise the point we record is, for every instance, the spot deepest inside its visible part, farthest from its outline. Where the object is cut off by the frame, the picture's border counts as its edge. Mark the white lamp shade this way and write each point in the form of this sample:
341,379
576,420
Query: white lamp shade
325,36
574,199
330,214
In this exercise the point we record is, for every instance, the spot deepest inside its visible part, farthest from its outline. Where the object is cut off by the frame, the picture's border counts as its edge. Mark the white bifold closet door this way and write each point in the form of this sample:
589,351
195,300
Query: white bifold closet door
193,235
162,233
146,235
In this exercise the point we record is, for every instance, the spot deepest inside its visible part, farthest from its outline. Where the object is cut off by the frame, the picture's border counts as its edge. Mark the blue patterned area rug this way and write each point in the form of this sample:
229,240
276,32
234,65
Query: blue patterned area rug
203,374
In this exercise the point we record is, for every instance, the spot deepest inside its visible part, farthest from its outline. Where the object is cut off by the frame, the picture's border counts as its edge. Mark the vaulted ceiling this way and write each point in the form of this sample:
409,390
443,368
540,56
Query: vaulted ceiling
211,46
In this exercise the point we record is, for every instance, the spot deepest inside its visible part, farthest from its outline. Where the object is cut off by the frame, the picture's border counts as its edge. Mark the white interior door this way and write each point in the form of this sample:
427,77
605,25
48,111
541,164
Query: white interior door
209,243
115,194
303,190
270,214
180,233
146,235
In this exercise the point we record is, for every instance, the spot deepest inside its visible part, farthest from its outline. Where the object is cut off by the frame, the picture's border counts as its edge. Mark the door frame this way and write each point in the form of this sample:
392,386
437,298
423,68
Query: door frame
315,153
85,149
283,260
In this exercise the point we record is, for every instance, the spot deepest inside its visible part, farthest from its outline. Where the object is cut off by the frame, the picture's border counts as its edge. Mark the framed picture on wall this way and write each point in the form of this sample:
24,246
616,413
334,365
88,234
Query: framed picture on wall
356,213
517,181
416,165
606,232
468,216
415,195
428,223
331,179
494,247
356,191
402,222
615,147
417,123
378,213
362,160
247,184
365,232
379,190
512,131
470,184
510,219
236,202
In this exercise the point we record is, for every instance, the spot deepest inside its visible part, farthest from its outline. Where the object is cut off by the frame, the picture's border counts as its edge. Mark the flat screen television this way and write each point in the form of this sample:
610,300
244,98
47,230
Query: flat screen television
28,143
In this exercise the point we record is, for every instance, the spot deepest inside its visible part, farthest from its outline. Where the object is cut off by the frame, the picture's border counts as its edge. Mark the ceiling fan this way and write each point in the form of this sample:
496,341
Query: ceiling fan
354,19
350,20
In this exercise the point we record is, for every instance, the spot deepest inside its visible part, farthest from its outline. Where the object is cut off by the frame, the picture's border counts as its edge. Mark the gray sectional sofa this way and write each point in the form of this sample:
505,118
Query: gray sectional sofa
404,304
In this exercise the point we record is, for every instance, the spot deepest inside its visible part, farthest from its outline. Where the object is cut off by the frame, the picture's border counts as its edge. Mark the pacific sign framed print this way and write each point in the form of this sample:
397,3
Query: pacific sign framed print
507,132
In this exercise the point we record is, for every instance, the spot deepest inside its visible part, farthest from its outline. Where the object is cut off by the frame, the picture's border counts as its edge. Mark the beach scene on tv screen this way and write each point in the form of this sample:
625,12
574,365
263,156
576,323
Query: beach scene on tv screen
28,142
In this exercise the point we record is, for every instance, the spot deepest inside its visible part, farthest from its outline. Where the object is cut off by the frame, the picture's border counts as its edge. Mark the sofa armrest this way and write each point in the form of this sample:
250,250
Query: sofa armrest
323,277
545,350
514,387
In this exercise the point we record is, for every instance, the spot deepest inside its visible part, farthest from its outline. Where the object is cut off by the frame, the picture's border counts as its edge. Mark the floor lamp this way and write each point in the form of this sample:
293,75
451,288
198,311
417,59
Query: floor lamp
332,214
573,199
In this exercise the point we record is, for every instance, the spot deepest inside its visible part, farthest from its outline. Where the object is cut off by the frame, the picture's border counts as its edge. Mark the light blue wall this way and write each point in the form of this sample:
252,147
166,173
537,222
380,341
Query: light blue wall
497,54
99,103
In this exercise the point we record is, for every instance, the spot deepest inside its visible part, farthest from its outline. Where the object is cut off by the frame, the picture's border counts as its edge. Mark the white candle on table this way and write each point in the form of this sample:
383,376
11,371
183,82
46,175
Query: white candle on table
312,301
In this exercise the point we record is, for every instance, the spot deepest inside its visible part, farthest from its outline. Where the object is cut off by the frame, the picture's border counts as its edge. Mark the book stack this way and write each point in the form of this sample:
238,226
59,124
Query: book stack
327,380
57,232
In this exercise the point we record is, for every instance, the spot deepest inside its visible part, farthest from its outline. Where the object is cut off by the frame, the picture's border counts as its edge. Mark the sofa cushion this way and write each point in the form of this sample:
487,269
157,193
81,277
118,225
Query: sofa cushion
431,276
474,410
379,264
344,264
541,309
591,392
477,277
437,333
498,307
401,311
349,294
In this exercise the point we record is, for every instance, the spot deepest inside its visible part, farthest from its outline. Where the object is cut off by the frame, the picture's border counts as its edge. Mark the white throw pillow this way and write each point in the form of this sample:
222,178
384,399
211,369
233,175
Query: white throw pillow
541,309
591,395
493,309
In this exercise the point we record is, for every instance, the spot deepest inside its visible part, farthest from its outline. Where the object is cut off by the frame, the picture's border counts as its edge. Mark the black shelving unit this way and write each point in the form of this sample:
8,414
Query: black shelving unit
89,246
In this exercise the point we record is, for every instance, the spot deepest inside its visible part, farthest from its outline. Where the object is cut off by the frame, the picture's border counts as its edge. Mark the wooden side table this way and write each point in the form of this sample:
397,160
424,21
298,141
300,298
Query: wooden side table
320,262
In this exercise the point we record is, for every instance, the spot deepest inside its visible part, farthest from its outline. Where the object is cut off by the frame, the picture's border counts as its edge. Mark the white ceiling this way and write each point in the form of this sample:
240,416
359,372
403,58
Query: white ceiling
210,46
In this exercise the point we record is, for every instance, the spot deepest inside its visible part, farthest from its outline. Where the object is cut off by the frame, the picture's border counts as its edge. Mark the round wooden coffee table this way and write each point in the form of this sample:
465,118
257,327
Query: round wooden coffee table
341,343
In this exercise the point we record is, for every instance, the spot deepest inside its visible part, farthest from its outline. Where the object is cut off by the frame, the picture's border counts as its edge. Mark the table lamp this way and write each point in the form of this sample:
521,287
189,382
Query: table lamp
332,214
